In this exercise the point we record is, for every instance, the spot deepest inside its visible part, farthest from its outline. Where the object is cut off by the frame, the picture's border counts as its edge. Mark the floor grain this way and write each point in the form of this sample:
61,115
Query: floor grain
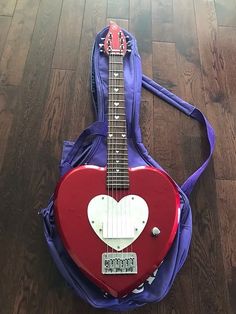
188,46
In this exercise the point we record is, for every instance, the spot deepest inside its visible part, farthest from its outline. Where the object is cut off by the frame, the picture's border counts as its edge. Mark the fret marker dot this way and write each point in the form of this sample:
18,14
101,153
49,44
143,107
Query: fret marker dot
117,117
115,74
117,170
116,89
117,151
110,135
123,135
116,104
117,161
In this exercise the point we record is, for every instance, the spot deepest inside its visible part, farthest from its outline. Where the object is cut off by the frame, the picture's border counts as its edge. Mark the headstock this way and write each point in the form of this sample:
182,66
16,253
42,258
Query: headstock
115,41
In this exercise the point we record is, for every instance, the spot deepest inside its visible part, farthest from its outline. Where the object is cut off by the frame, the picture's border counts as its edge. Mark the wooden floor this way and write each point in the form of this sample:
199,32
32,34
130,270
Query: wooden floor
188,46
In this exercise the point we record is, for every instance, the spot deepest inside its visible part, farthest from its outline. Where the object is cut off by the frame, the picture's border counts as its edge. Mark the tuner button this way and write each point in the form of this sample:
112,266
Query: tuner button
101,50
102,38
101,45
128,50
127,37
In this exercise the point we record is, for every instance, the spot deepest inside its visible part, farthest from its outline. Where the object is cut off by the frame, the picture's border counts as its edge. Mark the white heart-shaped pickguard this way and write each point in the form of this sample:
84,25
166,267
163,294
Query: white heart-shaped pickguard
118,224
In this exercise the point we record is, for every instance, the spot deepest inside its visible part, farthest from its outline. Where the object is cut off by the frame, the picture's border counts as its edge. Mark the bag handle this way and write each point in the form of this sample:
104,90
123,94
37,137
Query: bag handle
194,113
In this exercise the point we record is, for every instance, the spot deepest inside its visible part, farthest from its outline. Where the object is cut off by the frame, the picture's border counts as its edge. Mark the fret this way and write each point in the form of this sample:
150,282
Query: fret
115,143
118,158
115,154
114,94
120,114
122,169
118,132
115,70
120,149
113,107
120,161
118,120
116,86
118,100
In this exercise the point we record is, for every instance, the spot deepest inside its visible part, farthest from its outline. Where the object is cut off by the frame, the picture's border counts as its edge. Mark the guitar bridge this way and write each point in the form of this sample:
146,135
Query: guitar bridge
119,263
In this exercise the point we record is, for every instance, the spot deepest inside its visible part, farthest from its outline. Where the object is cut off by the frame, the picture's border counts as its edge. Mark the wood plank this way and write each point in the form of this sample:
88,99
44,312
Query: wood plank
8,97
227,43
162,20
227,220
226,12
208,278
7,7
50,105
169,153
5,22
215,89
167,119
18,42
56,114
94,21
68,37
118,9
45,174
79,114
188,62
141,27
24,239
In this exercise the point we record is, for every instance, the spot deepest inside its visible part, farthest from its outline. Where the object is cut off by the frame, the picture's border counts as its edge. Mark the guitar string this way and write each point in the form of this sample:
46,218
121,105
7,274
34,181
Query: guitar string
115,139
119,165
108,156
113,147
112,142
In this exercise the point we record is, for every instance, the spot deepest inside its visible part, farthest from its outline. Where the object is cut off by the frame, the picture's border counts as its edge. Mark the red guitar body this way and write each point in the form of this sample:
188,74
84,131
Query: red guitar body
72,198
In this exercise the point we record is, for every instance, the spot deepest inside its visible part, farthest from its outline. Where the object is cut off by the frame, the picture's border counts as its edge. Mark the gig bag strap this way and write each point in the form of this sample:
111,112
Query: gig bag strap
192,112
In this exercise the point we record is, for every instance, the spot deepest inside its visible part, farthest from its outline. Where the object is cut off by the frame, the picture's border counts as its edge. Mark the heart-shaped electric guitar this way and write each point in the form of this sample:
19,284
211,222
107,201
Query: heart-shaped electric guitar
117,223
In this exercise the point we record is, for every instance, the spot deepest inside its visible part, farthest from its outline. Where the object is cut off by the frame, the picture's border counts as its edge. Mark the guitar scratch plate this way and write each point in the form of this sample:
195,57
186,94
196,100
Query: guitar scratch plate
118,224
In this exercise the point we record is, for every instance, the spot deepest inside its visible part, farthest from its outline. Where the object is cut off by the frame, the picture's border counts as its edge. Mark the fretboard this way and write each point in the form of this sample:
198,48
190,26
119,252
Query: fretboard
117,161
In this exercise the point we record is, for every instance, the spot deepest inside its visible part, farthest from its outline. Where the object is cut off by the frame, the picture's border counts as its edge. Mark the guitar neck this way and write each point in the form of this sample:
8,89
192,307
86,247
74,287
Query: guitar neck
117,162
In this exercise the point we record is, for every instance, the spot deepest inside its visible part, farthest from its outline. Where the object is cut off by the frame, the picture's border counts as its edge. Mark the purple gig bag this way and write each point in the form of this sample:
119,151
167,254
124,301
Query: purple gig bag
90,148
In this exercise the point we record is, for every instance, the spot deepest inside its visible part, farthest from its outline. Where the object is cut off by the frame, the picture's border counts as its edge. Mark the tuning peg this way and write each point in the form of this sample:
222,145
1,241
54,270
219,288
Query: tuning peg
102,38
128,43
127,37
128,50
101,45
